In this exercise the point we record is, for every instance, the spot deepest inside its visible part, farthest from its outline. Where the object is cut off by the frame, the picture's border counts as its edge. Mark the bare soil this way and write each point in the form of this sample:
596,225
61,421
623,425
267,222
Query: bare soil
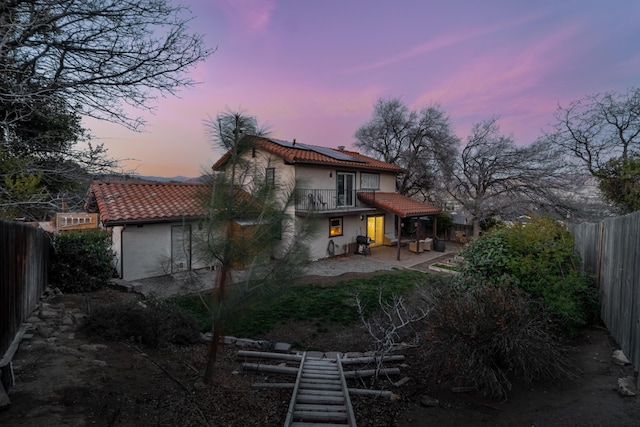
64,377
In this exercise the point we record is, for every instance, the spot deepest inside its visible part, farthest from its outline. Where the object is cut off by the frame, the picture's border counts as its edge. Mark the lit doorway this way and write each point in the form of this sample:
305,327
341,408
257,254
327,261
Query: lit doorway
375,228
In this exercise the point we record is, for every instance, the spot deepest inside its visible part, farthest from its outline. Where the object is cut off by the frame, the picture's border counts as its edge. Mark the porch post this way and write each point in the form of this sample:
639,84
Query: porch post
435,227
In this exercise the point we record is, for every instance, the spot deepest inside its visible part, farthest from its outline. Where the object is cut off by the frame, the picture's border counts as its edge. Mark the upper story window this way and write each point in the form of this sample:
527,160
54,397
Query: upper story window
270,176
345,182
369,181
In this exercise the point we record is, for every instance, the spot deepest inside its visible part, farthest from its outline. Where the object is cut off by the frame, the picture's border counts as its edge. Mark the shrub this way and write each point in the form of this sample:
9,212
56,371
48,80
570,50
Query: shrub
537,258
484,335
153,323
80,260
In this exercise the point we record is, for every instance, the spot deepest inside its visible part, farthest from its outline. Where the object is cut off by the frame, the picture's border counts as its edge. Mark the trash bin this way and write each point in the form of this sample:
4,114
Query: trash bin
438,245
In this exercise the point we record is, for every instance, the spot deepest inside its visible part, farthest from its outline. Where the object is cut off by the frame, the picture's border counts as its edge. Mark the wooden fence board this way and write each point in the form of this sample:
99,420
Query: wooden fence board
24,254
611,251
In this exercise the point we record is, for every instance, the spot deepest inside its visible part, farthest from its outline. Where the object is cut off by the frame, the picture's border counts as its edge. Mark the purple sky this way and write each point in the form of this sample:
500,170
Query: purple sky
313,70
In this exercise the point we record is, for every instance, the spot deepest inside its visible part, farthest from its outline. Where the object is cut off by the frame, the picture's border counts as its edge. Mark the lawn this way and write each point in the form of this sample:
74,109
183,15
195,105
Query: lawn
331,301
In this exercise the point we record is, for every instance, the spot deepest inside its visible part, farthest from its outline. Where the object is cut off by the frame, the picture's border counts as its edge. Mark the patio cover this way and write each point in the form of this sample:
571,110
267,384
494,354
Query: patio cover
402,206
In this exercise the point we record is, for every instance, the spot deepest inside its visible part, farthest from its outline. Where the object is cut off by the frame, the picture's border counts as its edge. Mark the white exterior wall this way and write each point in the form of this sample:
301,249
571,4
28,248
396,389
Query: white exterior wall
146,250
320,178
116,247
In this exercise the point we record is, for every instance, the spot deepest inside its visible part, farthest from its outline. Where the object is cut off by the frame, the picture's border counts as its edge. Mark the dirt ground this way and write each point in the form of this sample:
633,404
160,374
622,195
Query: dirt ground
65,378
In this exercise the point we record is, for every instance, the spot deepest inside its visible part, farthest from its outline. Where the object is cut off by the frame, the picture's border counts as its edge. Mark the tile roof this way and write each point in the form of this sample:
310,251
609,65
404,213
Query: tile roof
398,204
314,155
124,202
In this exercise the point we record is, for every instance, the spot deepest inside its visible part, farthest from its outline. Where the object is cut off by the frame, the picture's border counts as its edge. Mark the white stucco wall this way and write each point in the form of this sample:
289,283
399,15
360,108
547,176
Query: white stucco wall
319,178
146,251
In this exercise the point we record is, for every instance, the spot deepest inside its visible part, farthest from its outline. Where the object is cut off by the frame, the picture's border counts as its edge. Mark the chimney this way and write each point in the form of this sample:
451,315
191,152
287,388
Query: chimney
341,147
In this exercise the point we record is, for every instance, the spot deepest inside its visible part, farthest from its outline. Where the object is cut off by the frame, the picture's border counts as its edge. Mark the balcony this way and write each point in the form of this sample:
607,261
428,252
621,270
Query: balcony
330,202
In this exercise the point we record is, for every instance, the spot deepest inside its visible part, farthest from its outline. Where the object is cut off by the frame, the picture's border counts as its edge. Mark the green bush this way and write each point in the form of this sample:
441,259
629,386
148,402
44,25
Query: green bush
80,260
485,335
152,323
537,258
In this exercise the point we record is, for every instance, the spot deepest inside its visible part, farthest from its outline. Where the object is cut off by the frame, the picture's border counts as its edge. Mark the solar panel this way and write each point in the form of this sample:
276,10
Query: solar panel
320,150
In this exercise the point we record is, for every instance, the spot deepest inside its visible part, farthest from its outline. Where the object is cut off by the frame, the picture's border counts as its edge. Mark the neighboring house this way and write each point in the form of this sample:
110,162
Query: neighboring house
151,224
350,194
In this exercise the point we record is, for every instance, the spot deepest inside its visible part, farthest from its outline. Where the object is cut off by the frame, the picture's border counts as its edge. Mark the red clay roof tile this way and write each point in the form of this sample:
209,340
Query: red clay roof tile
400,205
122,202
293,155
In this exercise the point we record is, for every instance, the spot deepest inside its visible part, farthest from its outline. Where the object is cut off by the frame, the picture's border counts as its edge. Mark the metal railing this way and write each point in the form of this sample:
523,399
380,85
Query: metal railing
319,201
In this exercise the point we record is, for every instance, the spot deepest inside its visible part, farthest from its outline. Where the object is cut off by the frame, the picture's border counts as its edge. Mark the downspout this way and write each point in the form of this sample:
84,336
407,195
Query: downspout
124,227
399,236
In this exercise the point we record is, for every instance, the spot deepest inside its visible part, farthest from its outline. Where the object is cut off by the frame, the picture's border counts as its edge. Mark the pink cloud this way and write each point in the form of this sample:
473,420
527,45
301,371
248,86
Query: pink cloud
249,15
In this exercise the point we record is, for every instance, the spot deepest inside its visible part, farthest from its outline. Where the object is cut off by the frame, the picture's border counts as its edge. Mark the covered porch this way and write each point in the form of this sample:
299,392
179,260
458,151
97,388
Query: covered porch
404,208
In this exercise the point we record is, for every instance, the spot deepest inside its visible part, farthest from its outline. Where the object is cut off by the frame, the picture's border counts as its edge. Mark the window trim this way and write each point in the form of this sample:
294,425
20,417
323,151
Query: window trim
362,187
270,181
341,226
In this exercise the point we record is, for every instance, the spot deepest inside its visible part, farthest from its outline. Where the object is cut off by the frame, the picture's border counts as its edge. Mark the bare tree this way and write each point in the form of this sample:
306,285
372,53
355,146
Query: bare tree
96,55
422,143
392,326
494,176
598,128
64,59
601,133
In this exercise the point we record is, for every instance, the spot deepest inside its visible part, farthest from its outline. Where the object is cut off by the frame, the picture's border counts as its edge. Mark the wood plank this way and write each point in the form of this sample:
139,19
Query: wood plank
319,400
320,416
307,387
306,424
320,408
321,392
306,380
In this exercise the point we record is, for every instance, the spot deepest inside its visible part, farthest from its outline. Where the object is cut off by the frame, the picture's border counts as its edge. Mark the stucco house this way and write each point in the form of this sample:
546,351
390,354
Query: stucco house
151,224
349,194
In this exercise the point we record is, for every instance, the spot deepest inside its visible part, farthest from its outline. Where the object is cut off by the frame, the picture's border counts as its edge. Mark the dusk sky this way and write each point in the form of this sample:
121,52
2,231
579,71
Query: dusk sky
313,70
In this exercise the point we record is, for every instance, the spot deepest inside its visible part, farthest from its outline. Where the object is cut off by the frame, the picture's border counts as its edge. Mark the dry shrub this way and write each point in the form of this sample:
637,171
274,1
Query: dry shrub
152,323
483,336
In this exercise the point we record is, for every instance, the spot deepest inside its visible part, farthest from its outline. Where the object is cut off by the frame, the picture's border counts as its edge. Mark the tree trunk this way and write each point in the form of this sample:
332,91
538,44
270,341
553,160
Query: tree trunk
476,227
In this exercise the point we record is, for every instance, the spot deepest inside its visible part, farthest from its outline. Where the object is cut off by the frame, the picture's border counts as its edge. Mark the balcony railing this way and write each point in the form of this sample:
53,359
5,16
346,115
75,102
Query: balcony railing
328,201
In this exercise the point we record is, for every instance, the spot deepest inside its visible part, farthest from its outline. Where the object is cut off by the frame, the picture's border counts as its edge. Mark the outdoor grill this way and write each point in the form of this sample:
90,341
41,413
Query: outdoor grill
363,245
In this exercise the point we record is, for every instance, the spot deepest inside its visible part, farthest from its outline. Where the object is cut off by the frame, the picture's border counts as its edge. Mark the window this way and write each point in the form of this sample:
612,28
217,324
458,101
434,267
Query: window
270,176
369,181
335,227
346,189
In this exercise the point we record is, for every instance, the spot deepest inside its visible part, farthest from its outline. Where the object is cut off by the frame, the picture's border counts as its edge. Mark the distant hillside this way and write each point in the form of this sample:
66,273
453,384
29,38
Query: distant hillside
178,178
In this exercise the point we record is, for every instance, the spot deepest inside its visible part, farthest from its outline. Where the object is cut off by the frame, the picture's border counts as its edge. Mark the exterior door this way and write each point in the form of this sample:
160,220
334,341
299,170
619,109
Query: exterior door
346,189
375,229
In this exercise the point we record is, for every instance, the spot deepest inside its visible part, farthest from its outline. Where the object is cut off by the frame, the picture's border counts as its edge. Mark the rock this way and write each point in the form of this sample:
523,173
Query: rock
92,347
619,358
281,347
626,386
99,363
5,403
48,314
429,402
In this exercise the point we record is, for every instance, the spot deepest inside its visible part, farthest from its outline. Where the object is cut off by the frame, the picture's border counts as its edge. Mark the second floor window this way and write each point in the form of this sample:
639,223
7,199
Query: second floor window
369,181
270,176
346,188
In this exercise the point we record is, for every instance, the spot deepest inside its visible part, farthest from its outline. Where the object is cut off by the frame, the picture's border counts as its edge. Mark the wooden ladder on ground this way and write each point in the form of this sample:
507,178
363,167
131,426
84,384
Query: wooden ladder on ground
320,395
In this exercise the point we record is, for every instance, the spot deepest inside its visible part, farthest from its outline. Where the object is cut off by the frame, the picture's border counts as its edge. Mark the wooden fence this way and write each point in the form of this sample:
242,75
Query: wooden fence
611,251
24,253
